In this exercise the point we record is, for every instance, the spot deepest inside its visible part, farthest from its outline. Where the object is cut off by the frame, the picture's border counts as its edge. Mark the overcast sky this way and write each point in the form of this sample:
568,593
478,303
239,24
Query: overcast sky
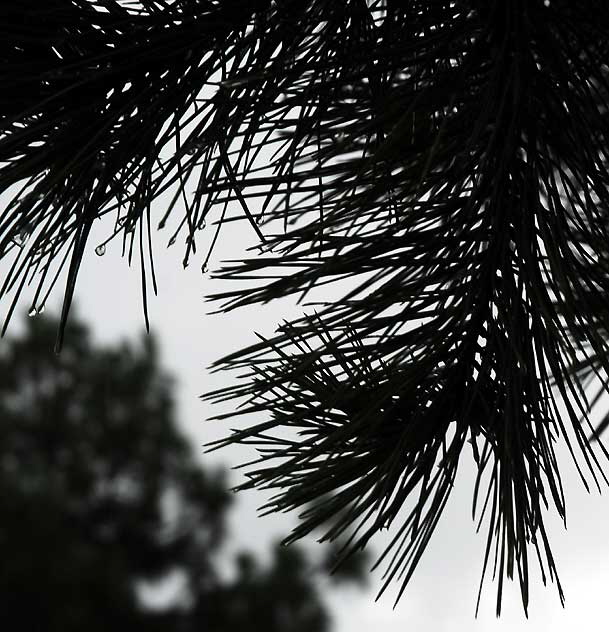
443,592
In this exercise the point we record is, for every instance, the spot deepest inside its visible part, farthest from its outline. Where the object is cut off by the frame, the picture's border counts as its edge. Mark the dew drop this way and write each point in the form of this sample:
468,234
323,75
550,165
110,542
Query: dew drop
41,309
204,268
100,165
100,251
203,224
339,137
194,147
21,238
33,312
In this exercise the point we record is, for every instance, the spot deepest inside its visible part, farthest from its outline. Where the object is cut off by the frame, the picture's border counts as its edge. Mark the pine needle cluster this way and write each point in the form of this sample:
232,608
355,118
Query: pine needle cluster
447,158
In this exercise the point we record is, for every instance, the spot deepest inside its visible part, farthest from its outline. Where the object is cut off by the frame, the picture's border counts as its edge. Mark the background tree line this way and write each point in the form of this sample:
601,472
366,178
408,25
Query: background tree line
100,491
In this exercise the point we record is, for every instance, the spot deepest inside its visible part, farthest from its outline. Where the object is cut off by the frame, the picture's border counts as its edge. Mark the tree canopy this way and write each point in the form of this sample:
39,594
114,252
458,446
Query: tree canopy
447,158
100,491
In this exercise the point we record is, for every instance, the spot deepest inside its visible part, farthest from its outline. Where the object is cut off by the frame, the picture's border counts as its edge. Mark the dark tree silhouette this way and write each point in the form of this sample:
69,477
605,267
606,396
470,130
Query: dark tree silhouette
99,490
448,158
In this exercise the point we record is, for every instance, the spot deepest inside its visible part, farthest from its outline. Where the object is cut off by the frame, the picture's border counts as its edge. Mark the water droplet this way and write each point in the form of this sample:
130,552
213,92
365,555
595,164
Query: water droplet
203,224
194,146
259,219
33,312
339,137
21,238
41,309
100,165
204,268
100,251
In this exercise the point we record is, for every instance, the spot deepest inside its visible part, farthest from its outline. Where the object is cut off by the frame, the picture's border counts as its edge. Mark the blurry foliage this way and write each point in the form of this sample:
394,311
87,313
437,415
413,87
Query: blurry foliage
99,491
446,158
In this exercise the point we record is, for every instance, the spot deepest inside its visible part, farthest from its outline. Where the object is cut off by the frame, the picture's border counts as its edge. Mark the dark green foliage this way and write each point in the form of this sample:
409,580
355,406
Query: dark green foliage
448,158
99,490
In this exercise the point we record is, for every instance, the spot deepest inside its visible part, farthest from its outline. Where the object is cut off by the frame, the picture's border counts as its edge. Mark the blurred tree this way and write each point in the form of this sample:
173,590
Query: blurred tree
99,490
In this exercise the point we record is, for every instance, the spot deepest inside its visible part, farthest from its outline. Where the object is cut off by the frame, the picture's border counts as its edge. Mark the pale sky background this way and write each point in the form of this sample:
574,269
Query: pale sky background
442,594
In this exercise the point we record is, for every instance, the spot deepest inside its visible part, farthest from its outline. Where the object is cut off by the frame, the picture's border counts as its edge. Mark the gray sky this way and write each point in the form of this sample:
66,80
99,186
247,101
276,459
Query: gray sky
443,592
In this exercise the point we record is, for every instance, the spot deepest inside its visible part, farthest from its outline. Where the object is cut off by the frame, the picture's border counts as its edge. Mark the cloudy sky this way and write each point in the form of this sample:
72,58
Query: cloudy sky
442,595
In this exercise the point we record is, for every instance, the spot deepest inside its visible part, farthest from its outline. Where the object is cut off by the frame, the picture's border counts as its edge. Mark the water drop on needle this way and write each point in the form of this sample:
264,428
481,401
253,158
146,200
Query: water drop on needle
99,165
204,268
100,251
32,312
21,238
